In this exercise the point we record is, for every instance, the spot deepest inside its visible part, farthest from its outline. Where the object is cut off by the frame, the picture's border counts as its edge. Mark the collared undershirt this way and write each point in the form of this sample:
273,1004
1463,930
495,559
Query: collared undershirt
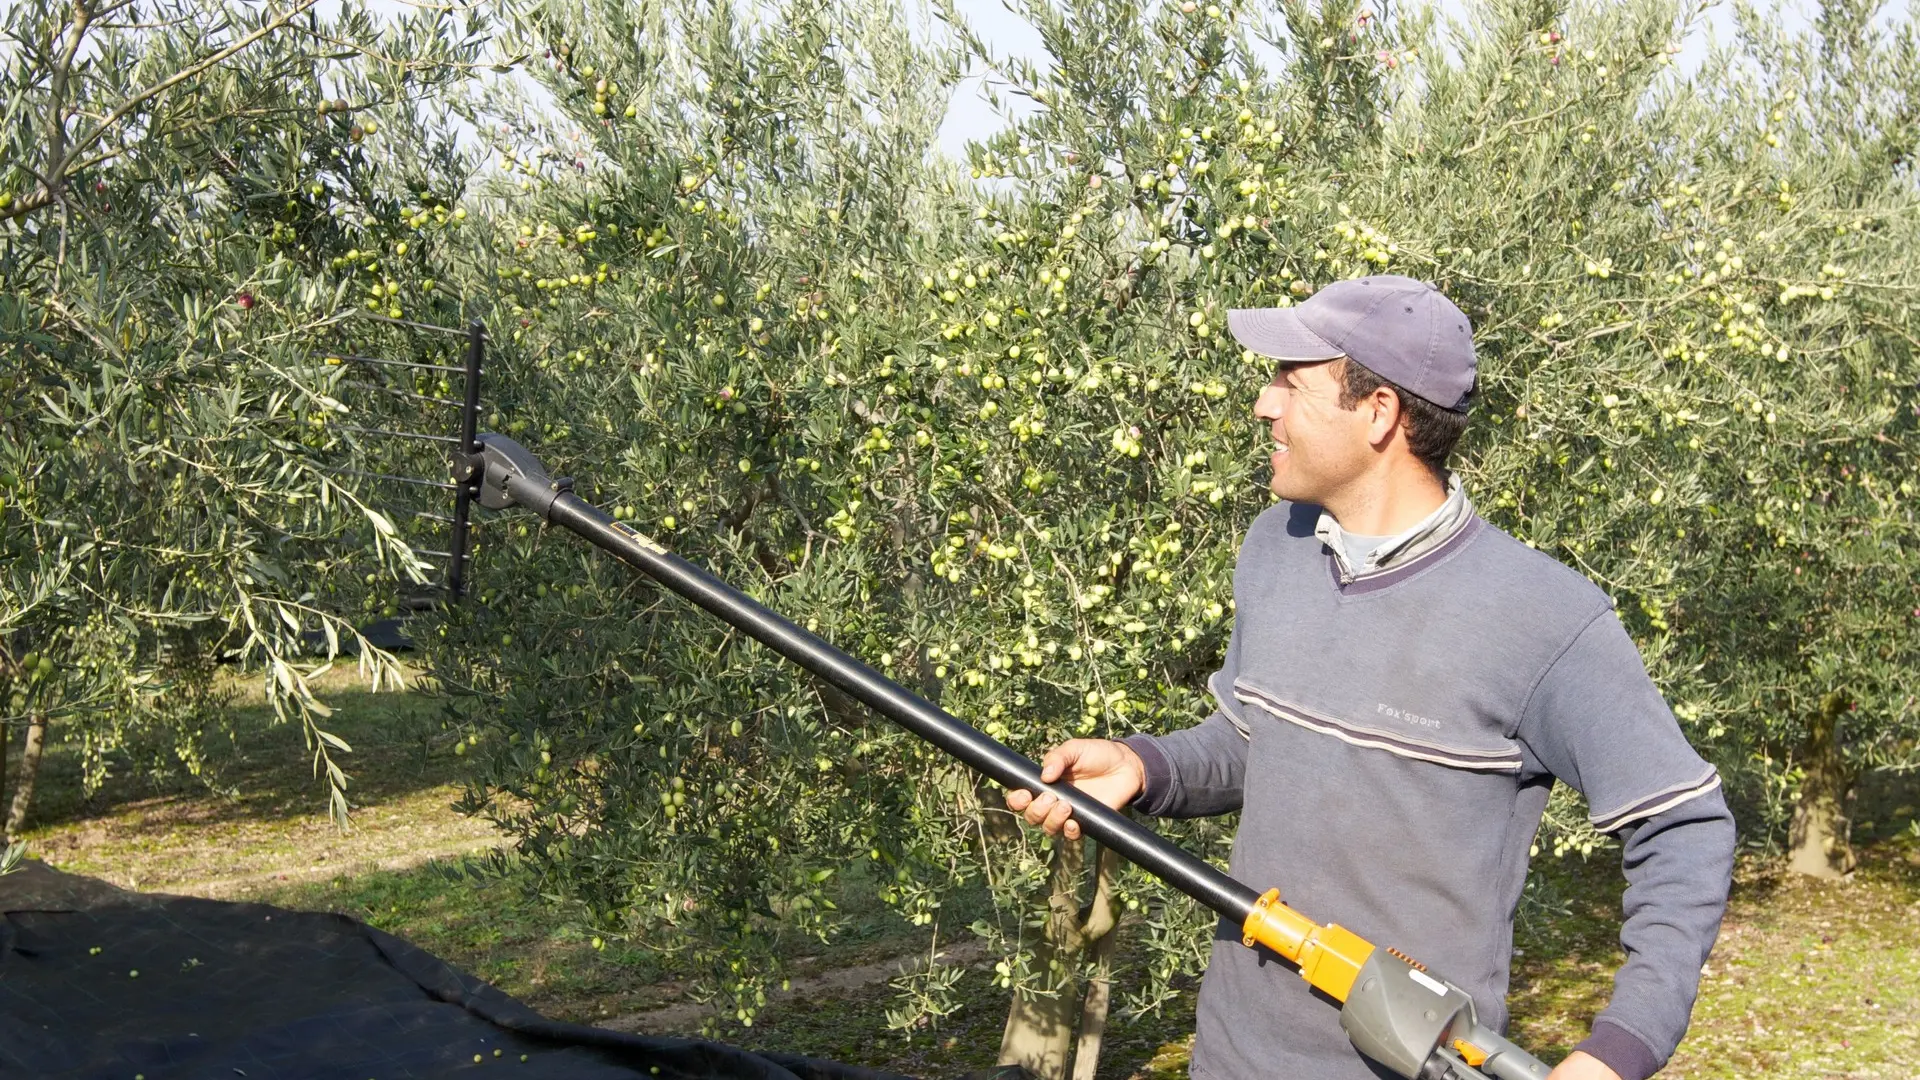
1359,555
1362,547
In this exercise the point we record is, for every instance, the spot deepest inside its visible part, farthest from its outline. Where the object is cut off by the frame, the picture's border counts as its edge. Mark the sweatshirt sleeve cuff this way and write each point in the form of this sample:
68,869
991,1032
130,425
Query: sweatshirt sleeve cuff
1158,769
1620,1050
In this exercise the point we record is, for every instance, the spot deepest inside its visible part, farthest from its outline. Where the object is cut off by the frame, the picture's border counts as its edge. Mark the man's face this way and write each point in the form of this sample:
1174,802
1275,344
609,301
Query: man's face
1319,446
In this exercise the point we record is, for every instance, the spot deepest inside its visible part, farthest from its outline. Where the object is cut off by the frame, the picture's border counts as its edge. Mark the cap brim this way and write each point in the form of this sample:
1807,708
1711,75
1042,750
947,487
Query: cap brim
1279,334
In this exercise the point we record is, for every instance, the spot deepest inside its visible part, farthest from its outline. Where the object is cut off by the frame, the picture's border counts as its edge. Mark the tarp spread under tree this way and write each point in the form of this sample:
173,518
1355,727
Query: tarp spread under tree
96,981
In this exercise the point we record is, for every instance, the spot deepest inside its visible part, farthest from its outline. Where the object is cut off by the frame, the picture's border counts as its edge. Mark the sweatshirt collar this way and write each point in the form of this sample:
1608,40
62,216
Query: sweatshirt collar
1425,535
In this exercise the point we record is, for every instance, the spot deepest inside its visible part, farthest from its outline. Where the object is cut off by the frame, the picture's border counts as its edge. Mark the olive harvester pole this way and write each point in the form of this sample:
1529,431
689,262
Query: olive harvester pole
1417,1025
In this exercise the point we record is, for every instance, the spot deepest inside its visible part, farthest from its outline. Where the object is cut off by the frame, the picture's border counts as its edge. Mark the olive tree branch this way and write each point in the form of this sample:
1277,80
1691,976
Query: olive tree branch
61,155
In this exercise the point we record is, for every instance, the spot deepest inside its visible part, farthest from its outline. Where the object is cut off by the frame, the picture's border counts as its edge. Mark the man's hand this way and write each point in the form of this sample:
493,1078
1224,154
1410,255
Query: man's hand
1582,1066
1108,771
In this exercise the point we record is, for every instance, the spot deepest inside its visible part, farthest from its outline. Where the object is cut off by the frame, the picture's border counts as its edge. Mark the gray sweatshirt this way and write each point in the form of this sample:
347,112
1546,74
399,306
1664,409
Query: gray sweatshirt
1390,738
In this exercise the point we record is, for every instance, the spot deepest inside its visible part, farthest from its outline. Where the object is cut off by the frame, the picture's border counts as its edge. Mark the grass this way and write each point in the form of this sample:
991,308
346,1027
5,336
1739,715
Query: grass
1813,979
852,1028
1808,978
176,833
493,924
1817,979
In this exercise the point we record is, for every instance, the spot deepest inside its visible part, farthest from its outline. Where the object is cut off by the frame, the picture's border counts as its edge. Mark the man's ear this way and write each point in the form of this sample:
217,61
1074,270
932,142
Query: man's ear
1383,407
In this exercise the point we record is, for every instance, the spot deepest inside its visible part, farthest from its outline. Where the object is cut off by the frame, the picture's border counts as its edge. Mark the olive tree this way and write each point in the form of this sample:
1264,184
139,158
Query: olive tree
695,249
179,187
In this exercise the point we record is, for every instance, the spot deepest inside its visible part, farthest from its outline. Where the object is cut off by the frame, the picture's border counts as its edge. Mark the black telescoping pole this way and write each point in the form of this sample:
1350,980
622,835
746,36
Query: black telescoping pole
973,748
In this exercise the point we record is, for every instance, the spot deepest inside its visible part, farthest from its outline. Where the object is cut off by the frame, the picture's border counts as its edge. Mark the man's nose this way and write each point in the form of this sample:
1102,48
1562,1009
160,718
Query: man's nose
1268,405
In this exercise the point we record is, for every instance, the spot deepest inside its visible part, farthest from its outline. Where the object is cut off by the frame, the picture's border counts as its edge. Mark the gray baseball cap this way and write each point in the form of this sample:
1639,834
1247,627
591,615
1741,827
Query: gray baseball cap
1401,329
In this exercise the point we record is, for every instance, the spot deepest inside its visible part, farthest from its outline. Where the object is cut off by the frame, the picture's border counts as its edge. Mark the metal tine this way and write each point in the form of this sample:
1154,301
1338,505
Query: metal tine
416,325
391,363
409,394
442,518
400,434
403,479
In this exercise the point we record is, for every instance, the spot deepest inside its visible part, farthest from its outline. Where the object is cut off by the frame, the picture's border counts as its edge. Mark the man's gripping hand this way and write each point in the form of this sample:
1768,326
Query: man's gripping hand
1582,1066
1108,771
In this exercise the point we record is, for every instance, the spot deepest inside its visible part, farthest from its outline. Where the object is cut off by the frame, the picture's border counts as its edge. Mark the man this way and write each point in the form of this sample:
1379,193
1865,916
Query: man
1403,685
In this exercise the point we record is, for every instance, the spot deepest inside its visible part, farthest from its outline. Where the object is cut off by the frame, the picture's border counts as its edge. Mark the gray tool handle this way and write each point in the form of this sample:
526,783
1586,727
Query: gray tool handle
1505,1061
1423,1028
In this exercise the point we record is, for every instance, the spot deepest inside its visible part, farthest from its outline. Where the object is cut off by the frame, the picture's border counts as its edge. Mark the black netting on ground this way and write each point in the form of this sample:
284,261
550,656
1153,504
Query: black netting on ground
246,990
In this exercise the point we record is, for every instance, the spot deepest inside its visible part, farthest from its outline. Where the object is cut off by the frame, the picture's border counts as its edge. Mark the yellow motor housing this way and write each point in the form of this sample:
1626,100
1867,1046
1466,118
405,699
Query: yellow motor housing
1329,956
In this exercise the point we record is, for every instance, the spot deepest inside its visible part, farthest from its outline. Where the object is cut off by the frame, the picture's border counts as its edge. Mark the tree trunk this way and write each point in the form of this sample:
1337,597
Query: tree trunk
1041,1027
1039,1031
998,825
6,835
29,768
1818,841
1099,926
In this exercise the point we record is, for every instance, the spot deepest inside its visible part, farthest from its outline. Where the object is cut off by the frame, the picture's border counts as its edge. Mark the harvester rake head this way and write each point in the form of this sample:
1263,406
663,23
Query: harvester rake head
413,391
